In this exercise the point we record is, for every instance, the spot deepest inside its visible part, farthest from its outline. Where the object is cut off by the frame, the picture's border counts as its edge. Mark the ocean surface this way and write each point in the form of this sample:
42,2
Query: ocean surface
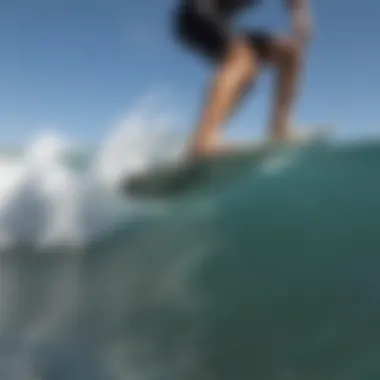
272,276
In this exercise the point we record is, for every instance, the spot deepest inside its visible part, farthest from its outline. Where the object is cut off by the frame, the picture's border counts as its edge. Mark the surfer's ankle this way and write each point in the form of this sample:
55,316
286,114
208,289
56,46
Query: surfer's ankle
205,148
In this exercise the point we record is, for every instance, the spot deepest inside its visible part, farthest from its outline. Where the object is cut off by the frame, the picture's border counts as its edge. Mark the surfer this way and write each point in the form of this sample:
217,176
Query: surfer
206,27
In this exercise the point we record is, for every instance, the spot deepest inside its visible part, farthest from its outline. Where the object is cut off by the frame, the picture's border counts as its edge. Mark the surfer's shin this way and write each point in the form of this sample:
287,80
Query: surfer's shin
288,74
227,88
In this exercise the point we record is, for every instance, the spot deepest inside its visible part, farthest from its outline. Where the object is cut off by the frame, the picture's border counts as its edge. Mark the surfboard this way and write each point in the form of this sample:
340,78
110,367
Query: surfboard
184,177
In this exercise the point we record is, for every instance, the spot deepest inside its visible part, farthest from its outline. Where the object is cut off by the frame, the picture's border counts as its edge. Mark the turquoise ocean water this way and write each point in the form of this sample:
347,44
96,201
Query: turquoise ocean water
272,276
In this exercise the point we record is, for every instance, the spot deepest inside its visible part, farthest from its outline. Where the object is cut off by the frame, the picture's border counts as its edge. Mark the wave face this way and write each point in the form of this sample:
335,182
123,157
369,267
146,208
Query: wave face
274,275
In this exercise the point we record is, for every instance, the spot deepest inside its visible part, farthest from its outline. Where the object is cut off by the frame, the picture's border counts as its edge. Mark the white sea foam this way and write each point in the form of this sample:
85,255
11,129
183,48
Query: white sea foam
46,202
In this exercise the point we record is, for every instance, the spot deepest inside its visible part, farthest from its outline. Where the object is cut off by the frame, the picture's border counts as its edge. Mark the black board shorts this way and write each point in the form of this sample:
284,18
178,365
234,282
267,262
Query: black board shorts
211,37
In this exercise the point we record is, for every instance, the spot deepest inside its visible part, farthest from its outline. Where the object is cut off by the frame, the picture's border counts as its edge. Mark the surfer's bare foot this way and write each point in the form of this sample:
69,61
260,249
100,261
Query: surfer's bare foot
204,150
296,136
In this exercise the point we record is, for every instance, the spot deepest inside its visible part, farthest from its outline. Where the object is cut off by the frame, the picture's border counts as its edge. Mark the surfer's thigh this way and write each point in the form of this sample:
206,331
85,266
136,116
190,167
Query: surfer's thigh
201,34
272,49
261,43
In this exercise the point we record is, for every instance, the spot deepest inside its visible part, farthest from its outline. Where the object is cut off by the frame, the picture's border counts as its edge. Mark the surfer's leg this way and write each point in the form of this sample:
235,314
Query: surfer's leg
238,65
233,78
287,59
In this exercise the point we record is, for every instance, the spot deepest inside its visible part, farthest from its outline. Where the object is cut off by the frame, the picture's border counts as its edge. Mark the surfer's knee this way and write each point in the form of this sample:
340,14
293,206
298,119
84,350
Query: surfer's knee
284,52
239,62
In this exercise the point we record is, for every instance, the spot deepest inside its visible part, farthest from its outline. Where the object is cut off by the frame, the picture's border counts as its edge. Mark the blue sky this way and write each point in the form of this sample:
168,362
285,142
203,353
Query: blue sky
78,65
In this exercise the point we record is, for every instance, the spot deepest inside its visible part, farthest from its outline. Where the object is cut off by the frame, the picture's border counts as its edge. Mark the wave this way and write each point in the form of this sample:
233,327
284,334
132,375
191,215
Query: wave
272,276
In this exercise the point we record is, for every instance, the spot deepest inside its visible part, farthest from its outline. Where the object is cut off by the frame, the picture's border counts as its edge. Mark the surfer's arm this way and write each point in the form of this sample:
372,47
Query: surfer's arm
300,18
